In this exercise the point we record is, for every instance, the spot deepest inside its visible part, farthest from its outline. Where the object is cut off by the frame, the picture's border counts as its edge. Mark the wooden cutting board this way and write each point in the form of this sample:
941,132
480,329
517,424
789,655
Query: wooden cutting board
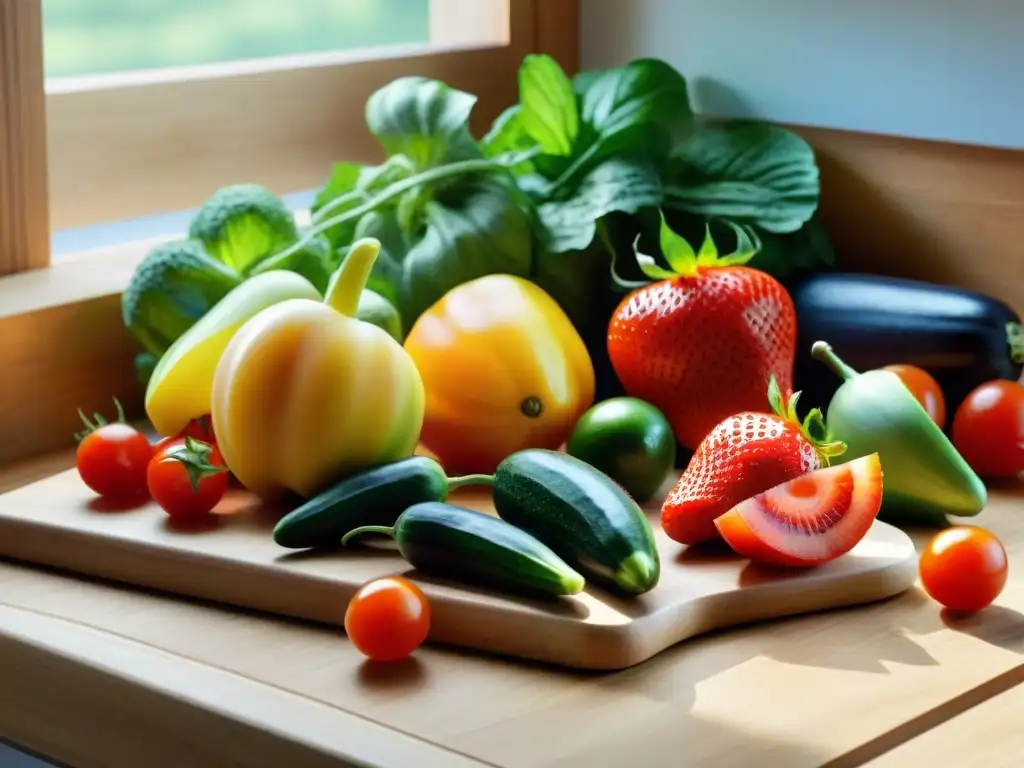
58,522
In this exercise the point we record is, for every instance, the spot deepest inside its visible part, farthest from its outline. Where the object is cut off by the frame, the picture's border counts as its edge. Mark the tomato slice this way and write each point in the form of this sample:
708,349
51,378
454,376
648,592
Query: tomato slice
810,520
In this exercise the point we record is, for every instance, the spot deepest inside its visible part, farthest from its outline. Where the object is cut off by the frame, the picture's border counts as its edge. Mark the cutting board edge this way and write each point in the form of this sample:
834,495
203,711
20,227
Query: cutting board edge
605,647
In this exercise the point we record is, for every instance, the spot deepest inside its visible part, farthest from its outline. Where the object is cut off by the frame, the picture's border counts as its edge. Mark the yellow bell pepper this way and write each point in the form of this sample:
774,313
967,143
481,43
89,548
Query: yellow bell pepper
306,394
179,389
504,369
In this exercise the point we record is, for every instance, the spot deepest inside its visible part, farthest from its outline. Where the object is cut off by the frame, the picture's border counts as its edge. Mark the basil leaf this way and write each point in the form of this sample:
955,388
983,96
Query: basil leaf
548,112
615,185
423,119
750,172
475,229
344,178
642,108
508,134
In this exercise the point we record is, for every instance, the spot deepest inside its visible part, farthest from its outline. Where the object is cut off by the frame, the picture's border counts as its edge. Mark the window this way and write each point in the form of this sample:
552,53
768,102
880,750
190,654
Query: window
112,110
223,107
118,36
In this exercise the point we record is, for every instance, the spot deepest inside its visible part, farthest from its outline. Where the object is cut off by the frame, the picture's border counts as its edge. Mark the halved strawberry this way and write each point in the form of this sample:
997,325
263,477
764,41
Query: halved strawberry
744,455
810,520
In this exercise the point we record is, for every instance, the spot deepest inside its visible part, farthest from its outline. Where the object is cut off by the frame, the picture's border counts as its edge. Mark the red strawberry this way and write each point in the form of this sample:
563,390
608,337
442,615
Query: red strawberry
701,342
745,455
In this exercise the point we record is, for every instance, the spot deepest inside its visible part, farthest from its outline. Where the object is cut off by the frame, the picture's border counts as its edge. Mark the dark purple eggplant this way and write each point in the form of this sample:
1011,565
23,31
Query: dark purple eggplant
963,338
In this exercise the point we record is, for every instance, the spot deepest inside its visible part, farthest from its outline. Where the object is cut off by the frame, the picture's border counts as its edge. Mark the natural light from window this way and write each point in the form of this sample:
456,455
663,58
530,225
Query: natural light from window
93,37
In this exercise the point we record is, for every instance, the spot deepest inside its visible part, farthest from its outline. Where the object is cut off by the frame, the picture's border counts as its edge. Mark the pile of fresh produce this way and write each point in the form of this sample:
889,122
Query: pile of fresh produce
559,312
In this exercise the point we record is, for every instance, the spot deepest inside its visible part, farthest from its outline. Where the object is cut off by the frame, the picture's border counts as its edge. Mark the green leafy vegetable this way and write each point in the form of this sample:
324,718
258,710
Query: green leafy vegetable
240,231
752,172
613,127
472,230
314,261
641,109
243,224
174,285
561,187
549,114
615,185
424,120
444,212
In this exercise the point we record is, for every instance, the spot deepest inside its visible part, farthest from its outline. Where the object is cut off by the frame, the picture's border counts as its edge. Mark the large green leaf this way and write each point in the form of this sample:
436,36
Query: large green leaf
474,230
616,185
423,119
749,172
548,112
508,134
641,108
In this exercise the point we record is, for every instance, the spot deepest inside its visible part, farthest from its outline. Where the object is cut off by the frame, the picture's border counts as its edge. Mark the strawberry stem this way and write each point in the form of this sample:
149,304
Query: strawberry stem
194,455
813,426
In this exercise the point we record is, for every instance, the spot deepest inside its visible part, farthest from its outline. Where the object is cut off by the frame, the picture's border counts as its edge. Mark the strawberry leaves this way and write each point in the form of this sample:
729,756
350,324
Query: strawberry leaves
683,260
812,427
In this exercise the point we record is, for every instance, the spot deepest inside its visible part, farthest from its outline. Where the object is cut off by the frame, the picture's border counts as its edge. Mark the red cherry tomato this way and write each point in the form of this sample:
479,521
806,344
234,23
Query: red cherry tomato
388,619
988,429
200,429
924,388
964,568
187,478
112,460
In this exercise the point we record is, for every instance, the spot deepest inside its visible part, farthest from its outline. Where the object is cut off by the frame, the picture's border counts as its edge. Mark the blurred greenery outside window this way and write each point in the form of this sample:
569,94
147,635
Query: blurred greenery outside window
108,37
93,37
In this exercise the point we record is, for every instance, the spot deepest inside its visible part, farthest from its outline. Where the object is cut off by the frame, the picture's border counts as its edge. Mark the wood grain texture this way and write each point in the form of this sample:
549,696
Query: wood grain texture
557,32
24,195
988,735
927,210
57,360
224,719
797,693
59,522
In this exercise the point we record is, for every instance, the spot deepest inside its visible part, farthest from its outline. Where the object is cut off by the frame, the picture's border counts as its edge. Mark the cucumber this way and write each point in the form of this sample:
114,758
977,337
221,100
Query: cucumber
582,514
476,549
374,496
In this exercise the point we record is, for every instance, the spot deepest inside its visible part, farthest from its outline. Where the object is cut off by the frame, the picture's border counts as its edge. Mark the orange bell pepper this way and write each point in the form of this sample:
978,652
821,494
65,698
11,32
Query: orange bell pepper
503,368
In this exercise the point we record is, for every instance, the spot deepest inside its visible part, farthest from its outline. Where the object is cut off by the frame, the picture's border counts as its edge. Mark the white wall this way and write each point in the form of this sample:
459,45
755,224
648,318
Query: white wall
939,69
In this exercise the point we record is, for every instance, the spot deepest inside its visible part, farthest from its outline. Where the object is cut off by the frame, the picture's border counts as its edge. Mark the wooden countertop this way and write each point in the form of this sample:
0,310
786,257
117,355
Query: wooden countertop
100,675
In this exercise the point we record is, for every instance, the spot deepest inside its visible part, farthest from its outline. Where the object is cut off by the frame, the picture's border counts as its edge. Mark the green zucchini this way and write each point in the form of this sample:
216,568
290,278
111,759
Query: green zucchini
582,514
374,496
476,549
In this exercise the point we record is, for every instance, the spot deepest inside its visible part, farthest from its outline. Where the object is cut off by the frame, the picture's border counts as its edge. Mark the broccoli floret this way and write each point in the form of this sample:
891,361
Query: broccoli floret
243,224
174,285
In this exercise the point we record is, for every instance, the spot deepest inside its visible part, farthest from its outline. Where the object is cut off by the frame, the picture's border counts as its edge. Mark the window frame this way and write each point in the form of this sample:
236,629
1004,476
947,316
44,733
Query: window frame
65,345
